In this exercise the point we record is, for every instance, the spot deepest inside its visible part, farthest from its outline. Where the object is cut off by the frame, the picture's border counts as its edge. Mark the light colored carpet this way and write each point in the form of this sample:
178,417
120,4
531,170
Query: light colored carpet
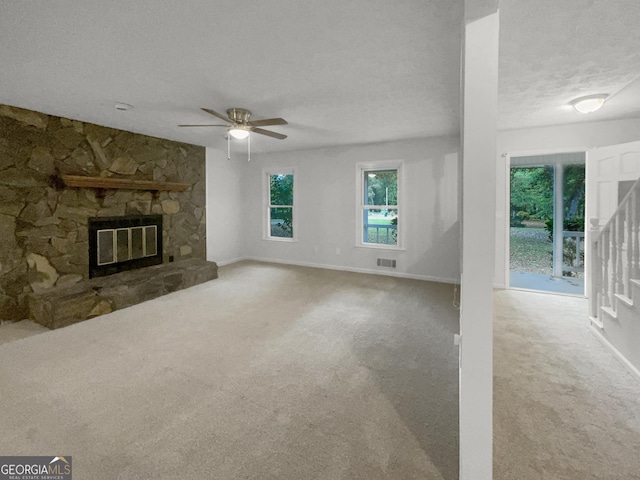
564,407
269,372
17,330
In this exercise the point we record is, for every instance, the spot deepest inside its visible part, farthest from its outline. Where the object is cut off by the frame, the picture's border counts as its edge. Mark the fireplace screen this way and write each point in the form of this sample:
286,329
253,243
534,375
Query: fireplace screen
124,243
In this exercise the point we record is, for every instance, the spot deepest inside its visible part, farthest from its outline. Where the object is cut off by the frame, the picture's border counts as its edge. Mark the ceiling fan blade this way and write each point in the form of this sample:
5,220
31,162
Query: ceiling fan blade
269,133
268,121
203,125
216,114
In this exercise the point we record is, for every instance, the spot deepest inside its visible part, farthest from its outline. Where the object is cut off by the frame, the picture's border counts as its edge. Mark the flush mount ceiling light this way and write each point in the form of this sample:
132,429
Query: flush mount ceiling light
590,103
123,106
239,132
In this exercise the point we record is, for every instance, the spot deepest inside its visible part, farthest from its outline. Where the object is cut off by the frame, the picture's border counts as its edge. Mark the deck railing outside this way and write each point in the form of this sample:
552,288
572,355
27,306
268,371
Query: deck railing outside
373,233
573,252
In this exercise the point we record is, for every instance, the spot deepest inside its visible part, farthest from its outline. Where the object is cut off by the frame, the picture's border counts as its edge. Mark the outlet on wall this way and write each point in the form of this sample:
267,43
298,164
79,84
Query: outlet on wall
337,250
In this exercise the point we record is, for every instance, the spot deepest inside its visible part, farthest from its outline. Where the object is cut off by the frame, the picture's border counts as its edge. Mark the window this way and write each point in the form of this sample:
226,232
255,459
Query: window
280,224
379,205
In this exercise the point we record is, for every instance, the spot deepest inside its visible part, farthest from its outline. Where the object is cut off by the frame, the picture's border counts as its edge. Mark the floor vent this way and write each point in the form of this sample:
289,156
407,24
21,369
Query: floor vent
386,262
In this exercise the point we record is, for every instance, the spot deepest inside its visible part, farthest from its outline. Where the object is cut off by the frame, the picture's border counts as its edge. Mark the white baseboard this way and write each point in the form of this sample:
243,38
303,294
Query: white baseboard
634,371
222,263
596,323
386,272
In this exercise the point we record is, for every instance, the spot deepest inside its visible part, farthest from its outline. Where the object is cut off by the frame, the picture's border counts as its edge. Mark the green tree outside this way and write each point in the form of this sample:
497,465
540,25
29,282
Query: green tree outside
382,187
532,206
281,211
532,194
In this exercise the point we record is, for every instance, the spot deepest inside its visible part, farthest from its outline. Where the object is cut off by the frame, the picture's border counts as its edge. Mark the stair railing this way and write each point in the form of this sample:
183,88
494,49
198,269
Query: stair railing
615,256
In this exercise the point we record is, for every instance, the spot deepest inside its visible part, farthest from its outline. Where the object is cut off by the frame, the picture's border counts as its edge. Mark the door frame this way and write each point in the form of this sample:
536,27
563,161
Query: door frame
507,204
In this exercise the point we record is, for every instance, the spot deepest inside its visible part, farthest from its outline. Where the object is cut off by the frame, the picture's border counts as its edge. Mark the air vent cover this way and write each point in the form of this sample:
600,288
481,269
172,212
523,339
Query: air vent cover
386,262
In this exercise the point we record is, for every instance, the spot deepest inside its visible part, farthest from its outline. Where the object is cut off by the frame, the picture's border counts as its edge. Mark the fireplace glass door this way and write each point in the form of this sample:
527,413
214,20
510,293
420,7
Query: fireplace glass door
124,243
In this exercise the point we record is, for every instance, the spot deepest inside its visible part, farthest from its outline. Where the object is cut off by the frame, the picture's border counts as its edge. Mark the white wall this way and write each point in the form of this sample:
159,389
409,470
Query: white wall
326,182
576,137
224,207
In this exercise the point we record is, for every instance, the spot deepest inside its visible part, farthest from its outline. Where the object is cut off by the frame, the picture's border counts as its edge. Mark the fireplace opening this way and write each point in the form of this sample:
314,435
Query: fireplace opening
117,244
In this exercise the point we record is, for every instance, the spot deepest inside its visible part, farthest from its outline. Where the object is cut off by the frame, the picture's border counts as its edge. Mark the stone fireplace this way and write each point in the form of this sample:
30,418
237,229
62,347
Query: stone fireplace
60,180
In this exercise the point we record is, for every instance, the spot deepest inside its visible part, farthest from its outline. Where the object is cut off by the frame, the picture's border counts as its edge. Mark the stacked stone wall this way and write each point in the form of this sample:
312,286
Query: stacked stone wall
43,225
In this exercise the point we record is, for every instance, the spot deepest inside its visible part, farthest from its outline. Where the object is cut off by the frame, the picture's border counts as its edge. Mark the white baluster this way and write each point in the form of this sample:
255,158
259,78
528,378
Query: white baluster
635,235
628,234
596,269
606,252
614,262
619,225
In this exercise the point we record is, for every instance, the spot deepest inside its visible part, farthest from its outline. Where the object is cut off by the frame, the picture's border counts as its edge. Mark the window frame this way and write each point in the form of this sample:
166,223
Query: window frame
266,210
362,169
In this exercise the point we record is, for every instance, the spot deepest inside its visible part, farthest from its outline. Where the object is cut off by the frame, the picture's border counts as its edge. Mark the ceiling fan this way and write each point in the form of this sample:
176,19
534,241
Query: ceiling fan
240,124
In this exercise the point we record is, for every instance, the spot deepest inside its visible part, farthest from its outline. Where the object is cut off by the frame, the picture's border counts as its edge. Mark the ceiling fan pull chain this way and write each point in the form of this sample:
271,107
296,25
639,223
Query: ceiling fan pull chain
249,148
228,147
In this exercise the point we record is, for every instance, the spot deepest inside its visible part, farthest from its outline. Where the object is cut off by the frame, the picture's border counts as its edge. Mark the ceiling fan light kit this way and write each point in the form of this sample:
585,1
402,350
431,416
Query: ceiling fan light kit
239,133
589,103
240,126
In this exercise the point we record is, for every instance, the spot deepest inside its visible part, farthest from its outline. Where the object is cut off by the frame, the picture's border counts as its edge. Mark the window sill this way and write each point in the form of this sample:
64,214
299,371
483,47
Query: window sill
280,239
380,246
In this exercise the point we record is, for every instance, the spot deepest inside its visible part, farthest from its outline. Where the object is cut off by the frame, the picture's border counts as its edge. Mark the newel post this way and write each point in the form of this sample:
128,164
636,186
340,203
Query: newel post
596,260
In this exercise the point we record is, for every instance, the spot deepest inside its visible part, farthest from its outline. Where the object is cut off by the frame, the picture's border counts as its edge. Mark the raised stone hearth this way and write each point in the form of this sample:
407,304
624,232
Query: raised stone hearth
61,306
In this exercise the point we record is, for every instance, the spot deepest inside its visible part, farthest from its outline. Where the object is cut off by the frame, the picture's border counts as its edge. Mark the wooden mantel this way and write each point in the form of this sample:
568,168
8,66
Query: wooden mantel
109,183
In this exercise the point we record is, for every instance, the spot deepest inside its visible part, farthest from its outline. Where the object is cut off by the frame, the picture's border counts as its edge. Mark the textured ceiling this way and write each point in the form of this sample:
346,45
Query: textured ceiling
552,52
340,72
